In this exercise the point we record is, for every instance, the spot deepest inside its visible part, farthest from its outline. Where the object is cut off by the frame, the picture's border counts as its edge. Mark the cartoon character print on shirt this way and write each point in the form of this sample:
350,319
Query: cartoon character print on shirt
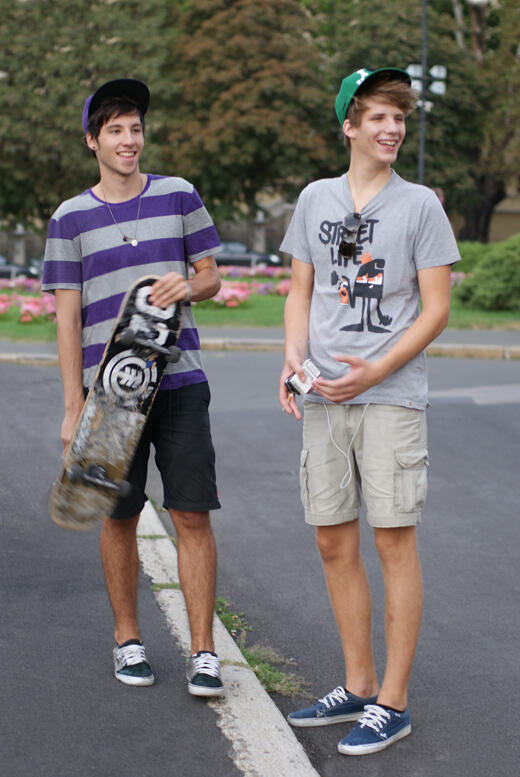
366,284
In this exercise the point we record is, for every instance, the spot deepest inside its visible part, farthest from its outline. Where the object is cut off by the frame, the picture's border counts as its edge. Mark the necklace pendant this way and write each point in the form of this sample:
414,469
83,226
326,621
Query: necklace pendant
131,240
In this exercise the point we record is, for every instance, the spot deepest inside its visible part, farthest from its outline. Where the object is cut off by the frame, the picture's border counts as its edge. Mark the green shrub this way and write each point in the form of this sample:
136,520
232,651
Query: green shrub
471,254
494,284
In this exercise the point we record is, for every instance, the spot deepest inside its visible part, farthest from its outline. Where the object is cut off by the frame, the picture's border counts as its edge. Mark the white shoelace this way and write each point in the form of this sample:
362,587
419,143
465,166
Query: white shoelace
336,696
375,717
206,664
129,655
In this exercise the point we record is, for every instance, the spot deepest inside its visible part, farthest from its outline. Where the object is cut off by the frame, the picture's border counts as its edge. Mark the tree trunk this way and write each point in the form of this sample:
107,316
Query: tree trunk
250,198
477,219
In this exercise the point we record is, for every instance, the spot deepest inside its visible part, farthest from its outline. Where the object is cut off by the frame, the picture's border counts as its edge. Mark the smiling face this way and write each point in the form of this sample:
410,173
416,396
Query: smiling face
379,134
119,144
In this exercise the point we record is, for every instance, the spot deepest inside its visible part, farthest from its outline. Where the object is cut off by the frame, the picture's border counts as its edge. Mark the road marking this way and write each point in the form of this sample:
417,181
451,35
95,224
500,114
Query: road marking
482,395
263,743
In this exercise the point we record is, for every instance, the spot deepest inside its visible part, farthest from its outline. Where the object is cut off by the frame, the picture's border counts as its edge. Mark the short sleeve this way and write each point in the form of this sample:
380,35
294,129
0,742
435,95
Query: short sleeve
434,243
200,235
296,242
62,267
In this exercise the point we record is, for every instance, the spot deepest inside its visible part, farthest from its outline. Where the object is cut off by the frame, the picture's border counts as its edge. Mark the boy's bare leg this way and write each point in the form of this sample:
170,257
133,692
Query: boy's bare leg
197,559
402,575
118,545
349,594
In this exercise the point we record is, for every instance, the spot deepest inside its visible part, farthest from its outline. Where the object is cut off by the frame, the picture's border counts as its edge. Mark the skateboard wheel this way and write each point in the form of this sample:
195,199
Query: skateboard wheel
124,488
174,355
75,473
127,336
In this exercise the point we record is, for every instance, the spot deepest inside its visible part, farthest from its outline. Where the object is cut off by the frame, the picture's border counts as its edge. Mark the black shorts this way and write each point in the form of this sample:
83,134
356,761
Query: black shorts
179,429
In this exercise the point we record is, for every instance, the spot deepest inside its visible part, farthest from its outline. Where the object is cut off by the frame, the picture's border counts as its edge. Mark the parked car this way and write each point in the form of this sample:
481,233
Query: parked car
234,252
8,270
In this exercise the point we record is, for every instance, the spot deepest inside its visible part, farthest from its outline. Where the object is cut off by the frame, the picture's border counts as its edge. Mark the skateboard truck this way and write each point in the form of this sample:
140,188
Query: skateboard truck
97,476
128,337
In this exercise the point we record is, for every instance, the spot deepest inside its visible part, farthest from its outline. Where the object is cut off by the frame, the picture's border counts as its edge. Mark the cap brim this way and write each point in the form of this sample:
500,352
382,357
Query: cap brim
397,70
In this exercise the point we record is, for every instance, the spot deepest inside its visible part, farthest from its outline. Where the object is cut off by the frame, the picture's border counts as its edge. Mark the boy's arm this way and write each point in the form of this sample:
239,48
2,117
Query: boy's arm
434,287
68,317
174,287
296,319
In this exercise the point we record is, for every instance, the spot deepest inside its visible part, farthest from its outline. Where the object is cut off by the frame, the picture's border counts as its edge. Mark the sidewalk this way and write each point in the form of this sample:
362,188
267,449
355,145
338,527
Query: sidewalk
460,343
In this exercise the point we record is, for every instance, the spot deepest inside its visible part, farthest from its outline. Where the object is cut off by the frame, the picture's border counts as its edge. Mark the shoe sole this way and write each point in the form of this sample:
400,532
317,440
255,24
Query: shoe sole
199,690
127,679
311,722
376,747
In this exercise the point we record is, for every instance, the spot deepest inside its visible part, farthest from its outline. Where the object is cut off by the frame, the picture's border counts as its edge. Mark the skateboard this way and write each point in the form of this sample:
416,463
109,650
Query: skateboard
96,462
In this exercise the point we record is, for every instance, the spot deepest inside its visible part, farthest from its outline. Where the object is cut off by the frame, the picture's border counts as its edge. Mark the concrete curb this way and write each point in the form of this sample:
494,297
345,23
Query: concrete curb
235,344
453,350
33,359
262,741
473,351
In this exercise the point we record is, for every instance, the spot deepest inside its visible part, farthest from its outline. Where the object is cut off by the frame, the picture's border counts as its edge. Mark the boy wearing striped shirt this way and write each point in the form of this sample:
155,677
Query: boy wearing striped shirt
128,225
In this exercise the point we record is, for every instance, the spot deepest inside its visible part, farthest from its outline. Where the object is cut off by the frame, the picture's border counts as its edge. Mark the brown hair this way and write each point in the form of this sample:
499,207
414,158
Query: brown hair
385,87
111,108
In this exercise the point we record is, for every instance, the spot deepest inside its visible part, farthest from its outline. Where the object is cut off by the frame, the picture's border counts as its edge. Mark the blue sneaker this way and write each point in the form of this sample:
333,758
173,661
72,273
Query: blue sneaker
376,729
338,706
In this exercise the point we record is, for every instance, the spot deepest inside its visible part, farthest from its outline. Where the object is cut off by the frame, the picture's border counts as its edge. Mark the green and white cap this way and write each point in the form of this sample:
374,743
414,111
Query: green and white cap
353,82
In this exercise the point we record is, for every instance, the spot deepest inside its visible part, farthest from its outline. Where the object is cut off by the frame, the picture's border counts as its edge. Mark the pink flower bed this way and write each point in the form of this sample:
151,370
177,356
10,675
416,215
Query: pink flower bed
37,307
456,278
232,294
5,303
21,283
237,271
31,308
235,290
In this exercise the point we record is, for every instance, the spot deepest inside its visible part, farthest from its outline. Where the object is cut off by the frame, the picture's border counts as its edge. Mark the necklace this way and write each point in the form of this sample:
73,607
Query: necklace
126,239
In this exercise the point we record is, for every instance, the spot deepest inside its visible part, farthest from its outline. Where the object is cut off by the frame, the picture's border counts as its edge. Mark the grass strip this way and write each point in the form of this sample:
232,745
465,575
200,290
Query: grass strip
261,659
259,311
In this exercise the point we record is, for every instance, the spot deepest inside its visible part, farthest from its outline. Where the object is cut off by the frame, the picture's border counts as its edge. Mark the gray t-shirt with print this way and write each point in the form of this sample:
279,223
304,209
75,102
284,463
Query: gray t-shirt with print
363,305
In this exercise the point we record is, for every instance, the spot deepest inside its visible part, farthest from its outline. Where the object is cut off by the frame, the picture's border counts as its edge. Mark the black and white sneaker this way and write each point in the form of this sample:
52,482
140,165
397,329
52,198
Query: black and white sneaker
203,674
130,664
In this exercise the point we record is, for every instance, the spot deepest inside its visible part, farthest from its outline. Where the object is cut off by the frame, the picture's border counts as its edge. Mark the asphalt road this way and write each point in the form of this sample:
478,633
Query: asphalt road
464,682
62,712
56,623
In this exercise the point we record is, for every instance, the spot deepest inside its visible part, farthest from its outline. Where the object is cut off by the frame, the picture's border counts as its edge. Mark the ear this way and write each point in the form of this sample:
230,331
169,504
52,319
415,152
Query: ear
348,129
91,143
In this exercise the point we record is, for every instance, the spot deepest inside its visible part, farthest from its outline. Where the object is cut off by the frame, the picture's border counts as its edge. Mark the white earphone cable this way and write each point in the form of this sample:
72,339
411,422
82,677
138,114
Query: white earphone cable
348,475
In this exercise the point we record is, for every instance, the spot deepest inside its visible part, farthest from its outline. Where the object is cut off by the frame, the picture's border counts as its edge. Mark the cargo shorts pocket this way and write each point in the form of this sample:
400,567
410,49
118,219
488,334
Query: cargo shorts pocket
304,479
411,478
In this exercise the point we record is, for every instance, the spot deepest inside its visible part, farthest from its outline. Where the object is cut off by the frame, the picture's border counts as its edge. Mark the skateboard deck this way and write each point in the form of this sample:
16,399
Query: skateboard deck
95,464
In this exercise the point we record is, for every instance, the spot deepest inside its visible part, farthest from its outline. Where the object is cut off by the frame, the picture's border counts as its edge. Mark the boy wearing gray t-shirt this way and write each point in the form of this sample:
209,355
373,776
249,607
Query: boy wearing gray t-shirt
366,247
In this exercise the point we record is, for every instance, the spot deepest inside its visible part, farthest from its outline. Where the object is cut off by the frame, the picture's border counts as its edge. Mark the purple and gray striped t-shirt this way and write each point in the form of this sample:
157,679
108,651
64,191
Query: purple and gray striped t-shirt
85,251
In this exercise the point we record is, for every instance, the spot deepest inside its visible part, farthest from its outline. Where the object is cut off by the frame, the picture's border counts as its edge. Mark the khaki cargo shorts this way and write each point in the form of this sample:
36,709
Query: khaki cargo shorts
386,465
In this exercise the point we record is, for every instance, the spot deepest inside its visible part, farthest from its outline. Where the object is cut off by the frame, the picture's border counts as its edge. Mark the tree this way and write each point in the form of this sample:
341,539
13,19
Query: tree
489,35
53,54
247,113
472,132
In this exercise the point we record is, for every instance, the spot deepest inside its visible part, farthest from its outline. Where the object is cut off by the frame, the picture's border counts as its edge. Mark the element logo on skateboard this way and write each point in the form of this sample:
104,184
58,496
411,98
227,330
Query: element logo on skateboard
129,377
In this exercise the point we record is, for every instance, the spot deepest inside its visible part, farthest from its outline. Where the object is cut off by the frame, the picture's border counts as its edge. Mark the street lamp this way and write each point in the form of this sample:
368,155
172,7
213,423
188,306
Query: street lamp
434,80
